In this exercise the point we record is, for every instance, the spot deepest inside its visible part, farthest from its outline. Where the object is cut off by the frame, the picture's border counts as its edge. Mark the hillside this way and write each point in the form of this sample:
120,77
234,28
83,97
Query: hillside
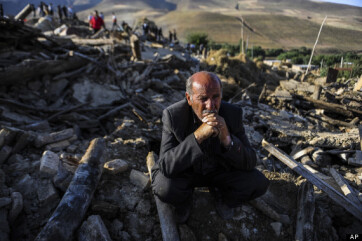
276,23
269,30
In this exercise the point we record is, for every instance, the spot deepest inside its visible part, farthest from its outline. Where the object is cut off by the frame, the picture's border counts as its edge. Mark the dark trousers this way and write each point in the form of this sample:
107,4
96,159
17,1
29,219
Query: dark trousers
235,187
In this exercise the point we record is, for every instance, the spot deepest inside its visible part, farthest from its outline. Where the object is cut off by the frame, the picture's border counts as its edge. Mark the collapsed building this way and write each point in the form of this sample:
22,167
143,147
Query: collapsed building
79,119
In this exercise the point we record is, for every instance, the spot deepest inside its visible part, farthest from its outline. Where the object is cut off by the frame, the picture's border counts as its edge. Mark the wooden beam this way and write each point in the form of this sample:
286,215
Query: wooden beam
351,207
72,208
306,207
348,191
24,71
165,214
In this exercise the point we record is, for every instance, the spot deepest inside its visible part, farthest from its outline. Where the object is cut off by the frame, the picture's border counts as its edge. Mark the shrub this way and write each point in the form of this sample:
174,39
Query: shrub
197,38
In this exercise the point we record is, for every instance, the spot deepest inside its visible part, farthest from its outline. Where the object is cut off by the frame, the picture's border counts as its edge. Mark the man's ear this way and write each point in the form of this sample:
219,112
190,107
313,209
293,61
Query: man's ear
188,97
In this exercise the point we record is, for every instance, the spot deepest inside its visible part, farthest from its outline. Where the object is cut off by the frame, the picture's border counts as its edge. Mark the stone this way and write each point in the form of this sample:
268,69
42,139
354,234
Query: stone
63,177
139,179
245,232
186,233
49,163
116,166
24,140
133,225
56,87
17,206
277,227
96,94
4,153
125,236
144,207
60,145
44,139
116,229
46,193
18,165
26,186
129,199
222,237
4,201
93,229
107,209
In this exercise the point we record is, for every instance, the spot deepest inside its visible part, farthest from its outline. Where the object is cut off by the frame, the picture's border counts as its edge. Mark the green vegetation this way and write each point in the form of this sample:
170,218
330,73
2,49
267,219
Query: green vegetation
197,38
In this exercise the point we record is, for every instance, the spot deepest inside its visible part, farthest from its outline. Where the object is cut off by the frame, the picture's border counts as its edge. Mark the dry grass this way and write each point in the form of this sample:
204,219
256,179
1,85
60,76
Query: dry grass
271,31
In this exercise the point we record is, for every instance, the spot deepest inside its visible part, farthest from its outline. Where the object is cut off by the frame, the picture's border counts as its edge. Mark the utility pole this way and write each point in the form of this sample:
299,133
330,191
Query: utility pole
315,44
242,34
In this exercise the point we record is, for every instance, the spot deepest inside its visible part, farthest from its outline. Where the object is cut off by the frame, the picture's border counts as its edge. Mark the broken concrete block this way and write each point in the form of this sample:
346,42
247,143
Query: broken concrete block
44,139
16,207
277,227
93,229
4,201
7,136
61,145
63,178
26,186
116,166
139,179
46,193
108,210
25,139
4,153
96,94
17,165
49,164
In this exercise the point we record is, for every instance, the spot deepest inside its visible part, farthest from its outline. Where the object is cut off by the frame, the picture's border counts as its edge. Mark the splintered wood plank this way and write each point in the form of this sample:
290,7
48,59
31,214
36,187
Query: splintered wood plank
339,198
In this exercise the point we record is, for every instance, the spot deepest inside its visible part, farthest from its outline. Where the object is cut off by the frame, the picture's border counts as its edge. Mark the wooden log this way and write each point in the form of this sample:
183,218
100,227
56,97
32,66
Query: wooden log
360,135
95,42
113,111
24,71
306,207
317,92
303,152
72,208
348,191
25,12
165,214
330,107
260,204
351,207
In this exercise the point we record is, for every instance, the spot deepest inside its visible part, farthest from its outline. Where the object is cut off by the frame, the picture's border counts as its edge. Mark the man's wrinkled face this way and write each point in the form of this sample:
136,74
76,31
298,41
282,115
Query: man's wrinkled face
206,94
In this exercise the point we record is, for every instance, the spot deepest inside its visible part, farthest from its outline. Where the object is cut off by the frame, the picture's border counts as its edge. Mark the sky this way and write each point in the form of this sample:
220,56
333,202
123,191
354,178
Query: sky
349,2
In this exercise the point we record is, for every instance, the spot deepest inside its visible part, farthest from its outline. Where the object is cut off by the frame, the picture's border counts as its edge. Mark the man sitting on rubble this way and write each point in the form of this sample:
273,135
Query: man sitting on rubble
96,23
204,145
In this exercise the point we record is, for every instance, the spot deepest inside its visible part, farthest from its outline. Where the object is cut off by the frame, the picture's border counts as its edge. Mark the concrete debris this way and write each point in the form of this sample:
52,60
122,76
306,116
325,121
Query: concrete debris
16,207
93,229
139,179
277,227
60,89
116,166
49,163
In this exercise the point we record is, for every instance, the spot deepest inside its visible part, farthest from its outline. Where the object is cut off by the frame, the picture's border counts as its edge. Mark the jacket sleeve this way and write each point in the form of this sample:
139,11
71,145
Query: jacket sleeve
175,156
240,155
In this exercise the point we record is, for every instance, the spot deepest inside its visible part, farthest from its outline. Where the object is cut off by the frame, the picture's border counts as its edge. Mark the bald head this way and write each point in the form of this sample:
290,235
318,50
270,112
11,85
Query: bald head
202,78
203,93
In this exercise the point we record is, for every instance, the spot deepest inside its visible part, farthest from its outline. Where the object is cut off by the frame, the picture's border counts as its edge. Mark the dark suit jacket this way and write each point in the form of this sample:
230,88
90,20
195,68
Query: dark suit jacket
180,151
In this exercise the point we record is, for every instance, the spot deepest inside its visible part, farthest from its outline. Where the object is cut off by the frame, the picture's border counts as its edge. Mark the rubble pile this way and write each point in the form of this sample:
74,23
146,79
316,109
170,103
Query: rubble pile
78,119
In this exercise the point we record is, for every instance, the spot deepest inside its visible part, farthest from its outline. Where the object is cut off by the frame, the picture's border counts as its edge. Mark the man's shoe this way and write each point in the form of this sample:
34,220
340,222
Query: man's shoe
224,211
182,212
